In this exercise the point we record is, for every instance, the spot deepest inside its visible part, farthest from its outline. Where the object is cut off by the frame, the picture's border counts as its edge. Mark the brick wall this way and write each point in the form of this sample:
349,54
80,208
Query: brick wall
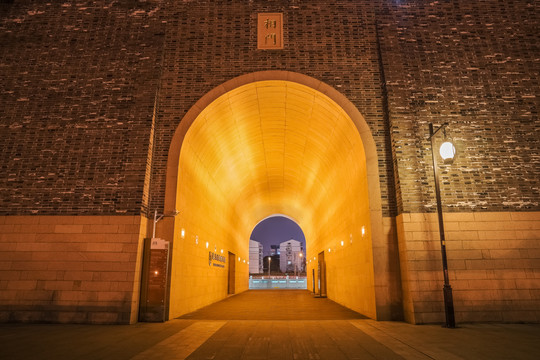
81,82
493,262
76,269
77,95
473,65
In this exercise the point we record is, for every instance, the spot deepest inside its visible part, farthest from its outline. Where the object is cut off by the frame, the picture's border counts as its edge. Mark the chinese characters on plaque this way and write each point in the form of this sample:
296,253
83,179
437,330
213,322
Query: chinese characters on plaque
270,31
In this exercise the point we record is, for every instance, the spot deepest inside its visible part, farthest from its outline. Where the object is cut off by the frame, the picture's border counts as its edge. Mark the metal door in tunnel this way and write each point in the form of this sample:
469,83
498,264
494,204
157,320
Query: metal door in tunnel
322,275
232,273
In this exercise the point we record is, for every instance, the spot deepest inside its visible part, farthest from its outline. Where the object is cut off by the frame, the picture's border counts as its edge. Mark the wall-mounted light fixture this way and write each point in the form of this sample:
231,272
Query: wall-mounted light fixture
158,217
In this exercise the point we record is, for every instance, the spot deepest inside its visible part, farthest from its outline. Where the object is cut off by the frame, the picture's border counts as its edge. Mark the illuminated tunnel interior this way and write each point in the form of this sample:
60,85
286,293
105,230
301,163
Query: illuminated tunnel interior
271,147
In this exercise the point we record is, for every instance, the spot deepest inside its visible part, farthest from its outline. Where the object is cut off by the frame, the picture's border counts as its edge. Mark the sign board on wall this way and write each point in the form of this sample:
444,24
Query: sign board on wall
270,31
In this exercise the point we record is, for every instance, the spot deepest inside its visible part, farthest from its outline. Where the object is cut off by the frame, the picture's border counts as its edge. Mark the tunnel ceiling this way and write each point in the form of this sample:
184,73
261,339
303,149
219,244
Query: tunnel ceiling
275,147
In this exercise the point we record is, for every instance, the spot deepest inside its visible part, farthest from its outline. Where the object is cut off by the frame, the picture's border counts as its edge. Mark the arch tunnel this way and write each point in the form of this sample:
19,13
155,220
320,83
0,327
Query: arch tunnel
255,147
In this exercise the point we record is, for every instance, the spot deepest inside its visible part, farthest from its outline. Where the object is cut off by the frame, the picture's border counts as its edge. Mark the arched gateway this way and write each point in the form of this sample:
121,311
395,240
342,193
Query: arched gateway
275,142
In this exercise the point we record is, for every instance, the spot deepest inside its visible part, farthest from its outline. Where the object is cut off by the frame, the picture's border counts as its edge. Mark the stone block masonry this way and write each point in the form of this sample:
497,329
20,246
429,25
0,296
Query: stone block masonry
493,262
70,269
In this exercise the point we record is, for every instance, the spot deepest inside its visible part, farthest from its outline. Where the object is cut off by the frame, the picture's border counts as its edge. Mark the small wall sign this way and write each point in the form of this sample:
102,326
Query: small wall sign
270,31
216,259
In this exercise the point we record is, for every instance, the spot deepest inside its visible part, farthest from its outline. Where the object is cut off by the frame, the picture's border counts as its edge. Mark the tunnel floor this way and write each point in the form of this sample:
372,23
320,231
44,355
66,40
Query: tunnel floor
274,305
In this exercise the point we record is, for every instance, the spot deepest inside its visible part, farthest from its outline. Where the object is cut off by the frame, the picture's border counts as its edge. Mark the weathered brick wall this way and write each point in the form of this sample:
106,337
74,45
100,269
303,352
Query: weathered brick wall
210,42
76,99
79,82
475,65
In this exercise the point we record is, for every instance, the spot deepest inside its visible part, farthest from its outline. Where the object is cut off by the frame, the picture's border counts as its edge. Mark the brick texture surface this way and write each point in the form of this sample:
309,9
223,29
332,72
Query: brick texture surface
92,92
81,270
493,273
77,95
80,81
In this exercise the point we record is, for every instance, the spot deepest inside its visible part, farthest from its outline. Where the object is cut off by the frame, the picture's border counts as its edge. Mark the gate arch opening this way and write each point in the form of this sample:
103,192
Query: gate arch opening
267,143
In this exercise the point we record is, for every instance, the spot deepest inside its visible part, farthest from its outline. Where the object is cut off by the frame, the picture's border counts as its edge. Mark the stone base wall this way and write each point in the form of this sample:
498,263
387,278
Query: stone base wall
70,269
493,262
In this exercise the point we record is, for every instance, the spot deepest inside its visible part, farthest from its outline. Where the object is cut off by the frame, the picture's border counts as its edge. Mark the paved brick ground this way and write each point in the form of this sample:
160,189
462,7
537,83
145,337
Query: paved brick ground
242,327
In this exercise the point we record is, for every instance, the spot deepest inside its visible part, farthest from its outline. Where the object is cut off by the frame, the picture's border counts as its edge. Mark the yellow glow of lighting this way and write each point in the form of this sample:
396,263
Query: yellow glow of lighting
342,242
222,251
272,147
447,150
155,272
363,230
207,244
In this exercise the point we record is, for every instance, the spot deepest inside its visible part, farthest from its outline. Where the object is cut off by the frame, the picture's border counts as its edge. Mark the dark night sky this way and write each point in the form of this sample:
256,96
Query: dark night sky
276,229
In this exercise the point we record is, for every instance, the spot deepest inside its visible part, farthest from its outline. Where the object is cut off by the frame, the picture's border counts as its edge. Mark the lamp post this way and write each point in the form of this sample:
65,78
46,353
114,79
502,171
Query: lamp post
269,260
447,152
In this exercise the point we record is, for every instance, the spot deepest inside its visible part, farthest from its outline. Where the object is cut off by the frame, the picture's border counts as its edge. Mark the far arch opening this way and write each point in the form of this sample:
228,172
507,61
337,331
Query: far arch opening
267,143
277,248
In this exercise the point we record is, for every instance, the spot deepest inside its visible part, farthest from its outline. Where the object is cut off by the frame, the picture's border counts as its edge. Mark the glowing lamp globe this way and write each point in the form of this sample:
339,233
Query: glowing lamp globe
447,151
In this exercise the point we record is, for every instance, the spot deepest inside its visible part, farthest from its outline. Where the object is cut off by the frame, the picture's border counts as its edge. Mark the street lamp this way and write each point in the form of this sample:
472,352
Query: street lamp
269,259
447,152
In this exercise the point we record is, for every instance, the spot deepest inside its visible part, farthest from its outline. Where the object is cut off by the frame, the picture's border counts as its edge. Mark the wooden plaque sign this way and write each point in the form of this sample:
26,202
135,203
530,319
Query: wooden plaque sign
270,31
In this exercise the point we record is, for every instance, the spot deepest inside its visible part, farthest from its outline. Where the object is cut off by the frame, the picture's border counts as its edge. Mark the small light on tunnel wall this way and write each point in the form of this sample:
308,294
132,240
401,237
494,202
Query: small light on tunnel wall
156,272
342,243
314,258
239,258
363,230
329,250
207,244
182,233
222,251
197,240
215,248
248,262
244,261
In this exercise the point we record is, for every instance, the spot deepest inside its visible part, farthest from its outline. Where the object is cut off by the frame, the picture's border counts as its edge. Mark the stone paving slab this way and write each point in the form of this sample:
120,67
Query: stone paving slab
247,333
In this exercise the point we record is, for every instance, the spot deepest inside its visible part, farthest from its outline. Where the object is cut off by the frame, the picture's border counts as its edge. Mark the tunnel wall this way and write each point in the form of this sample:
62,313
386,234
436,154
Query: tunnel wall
210,226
